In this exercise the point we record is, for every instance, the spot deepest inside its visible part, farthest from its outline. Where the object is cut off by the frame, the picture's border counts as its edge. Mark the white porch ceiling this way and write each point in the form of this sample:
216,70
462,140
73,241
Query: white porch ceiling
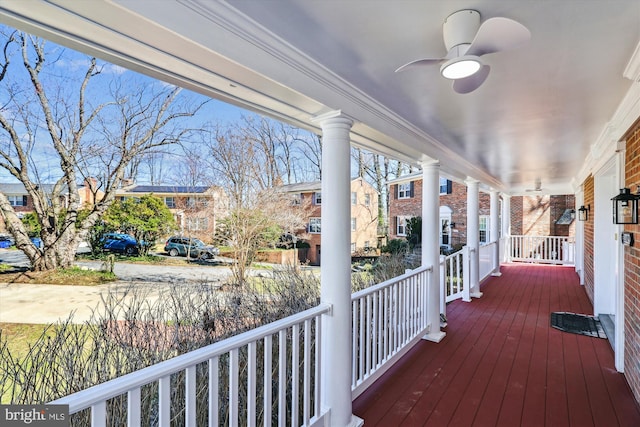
544,111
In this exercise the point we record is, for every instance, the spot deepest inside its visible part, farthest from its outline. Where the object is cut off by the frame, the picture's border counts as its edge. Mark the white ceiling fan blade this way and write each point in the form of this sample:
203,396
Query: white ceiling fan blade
473,82
498,34
417,62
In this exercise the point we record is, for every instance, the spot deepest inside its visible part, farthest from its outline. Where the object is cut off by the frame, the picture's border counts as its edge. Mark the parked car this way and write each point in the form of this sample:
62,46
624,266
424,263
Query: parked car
6,241
178,245
120,243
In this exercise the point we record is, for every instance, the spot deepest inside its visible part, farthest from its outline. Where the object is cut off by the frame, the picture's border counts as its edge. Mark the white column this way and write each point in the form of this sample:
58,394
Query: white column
473,236
336,268
494,233
430,245
506,228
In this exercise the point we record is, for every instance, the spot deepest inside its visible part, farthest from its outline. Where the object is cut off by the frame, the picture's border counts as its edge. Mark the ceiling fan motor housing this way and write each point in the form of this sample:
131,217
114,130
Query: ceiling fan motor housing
460,28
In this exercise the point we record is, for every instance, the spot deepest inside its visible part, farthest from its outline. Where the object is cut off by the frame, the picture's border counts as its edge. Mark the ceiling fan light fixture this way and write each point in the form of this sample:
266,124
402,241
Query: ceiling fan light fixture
461,67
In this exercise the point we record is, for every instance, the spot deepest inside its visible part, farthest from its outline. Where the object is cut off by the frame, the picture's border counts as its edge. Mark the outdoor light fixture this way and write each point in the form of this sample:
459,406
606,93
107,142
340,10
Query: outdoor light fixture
625,207
460,67
583,213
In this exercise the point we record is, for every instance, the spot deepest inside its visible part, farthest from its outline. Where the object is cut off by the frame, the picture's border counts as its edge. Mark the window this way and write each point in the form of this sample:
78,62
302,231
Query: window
197,224
367,199
170,202
296,199
17,200
401,225
353,224
405,191
314,225
317,198
353,247
367,245
445,186
191,202
354,198
484,229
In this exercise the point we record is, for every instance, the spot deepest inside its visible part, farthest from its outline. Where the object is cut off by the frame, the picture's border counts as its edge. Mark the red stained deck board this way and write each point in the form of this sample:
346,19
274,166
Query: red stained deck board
502,364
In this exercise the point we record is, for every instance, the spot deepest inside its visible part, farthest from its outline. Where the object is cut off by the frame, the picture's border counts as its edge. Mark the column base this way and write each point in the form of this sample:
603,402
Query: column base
356,421
477,294
435,336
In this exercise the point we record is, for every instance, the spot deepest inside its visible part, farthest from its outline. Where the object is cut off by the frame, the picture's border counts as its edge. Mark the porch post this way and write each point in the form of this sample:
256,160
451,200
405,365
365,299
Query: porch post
430,246
335,270
506,227
473,236
494,232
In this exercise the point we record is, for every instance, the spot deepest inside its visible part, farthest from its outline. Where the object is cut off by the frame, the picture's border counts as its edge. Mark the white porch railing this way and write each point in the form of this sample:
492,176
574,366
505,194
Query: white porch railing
387,320
452,268
542,249
276,367
487,259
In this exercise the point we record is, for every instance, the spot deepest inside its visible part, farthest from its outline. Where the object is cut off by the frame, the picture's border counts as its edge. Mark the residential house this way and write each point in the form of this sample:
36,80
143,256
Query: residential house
535,215
363,222
405,202
195,208
19,199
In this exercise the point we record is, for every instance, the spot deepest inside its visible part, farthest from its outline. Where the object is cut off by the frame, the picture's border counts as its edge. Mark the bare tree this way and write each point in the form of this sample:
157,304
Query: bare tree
49,119
260,223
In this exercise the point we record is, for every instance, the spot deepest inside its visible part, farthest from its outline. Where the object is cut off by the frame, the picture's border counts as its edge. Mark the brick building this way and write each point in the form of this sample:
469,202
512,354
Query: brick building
20,200
536,215
405,201
196,209
364,217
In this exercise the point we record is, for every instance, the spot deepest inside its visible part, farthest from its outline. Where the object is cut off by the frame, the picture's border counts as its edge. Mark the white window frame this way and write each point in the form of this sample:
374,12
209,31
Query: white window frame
170,201
404,190
317,198
401,224
367,199
483,227
296,199
354,198
16,200
353,247
315,225
444,183
353,224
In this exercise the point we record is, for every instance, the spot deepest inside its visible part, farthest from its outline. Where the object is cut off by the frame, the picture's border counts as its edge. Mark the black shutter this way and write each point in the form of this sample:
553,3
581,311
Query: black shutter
411,189
24,200
395,225
449,186
397,191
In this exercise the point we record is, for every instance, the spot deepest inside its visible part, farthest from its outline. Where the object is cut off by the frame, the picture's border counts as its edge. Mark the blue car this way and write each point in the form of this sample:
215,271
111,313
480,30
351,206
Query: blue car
120,243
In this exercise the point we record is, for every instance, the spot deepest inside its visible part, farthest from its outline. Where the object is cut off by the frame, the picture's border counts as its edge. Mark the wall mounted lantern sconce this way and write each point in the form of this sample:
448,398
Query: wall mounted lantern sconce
583,213
625,207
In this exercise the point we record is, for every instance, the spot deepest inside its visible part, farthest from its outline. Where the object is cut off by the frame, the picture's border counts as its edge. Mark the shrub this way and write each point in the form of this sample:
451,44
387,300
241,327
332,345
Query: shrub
396,246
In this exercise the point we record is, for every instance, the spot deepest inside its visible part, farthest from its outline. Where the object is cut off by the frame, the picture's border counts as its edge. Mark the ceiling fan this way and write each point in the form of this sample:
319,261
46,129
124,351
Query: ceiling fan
466,41
537,187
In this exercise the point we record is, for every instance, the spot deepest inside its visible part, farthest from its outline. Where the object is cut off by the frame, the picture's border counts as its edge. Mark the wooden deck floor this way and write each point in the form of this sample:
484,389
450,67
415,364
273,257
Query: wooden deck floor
501,364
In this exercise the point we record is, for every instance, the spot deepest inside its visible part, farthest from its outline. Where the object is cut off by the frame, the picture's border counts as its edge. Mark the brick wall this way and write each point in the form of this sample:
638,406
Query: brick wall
517,215
456,200
537,215
632,272
588,237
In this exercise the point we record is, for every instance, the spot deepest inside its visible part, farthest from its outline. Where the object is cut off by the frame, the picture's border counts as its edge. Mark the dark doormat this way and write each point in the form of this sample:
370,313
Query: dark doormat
577,324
